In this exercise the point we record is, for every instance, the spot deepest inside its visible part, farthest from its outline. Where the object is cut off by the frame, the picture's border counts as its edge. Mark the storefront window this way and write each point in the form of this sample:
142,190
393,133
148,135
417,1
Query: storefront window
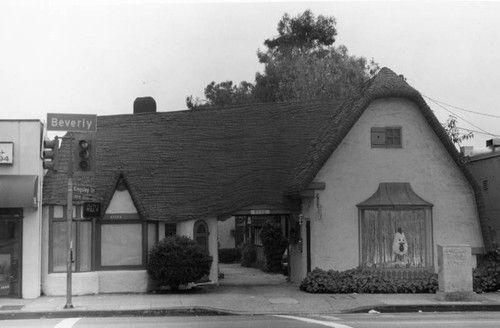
82,247
121,244
395,229
393,238
121,241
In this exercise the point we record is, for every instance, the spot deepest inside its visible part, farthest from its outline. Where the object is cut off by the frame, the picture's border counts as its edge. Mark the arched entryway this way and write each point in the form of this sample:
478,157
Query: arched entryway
200,234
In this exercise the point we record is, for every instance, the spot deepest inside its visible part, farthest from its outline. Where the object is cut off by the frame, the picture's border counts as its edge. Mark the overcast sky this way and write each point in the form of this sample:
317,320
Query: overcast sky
97,56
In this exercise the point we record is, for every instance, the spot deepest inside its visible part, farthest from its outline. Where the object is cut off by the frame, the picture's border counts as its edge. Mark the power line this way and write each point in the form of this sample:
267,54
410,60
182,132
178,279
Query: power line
460,108
475,131
449,111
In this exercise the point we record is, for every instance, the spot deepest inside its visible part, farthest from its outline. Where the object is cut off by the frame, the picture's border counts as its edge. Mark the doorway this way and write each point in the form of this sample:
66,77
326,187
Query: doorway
10,255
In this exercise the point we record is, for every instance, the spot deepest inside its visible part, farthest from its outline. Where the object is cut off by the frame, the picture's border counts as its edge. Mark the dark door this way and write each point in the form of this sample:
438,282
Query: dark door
10,257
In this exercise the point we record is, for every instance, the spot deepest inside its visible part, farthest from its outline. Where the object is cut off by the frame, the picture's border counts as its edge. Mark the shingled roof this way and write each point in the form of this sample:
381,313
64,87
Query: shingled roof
198,163
386,84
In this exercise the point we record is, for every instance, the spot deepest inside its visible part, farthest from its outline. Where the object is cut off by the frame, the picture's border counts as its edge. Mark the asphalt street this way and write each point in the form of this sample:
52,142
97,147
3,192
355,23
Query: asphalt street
441,320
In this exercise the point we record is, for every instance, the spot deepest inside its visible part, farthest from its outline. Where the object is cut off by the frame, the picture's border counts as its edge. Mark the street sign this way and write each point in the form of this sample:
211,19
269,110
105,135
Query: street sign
83,189
71,122
91,210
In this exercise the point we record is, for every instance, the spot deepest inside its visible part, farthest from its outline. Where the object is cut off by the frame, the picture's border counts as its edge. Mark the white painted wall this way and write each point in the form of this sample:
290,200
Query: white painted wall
186,228
354,171
27,136
132,281
226,238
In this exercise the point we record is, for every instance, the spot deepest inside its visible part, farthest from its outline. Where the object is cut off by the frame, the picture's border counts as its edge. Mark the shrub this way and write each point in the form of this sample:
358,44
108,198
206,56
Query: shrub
248,254
486,277
274,245
359,281
229,255
177,260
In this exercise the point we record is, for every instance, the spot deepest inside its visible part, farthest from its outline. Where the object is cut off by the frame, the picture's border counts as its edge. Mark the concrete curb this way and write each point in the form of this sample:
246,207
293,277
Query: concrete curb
427,308
183,311
205,311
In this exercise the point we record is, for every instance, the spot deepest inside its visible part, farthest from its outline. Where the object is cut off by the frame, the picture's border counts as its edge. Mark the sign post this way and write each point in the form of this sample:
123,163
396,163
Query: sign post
69,215
71,123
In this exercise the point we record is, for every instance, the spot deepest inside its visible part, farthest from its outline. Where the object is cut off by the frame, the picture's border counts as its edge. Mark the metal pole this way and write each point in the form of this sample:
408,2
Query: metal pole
69,216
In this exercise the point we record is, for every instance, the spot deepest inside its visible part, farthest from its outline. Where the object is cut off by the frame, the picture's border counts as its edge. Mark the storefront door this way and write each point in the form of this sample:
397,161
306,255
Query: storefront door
10,256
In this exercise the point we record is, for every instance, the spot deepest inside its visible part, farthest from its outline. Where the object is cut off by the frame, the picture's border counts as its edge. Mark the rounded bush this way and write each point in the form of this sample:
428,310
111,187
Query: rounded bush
274,244
248,254
177,260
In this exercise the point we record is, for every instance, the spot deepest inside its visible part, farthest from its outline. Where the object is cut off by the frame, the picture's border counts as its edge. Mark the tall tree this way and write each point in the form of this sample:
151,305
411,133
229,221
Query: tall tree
300,63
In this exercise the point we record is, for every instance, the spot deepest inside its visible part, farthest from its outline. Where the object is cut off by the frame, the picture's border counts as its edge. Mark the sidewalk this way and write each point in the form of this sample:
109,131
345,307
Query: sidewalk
242,291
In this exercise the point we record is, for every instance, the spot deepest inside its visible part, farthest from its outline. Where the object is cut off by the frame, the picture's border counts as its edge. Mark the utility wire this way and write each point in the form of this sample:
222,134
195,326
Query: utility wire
465,110
475,131
449,111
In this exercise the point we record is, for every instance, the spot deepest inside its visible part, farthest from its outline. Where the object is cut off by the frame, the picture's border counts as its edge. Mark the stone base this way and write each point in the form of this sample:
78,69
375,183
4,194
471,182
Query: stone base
456,296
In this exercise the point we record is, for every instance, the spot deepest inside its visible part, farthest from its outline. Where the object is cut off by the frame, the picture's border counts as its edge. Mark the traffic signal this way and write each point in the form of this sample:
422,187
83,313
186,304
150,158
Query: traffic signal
84,156
50,154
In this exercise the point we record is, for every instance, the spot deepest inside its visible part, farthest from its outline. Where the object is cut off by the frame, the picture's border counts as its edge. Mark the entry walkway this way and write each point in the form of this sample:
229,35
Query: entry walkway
236,275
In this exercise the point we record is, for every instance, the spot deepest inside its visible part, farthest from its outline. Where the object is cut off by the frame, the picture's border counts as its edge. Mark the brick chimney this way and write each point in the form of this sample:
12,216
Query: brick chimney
144,105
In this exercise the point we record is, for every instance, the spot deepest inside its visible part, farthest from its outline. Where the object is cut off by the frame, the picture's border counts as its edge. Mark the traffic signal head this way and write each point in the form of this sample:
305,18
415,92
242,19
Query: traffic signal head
50,154
84,156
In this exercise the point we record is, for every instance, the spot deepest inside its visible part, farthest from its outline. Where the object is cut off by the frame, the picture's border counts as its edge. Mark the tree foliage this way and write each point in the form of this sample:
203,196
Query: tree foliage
454,132
300,63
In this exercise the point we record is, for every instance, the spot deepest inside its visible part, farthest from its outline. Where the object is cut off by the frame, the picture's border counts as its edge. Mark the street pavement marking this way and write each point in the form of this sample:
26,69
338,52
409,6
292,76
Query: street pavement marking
67,323
324,323
327,317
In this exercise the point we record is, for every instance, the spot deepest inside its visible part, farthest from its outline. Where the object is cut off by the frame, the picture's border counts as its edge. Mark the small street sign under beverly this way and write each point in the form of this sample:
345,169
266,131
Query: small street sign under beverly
83,189
72,122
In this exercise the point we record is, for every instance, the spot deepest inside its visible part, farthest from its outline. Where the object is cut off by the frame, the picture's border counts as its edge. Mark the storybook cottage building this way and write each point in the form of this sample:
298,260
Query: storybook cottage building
368,181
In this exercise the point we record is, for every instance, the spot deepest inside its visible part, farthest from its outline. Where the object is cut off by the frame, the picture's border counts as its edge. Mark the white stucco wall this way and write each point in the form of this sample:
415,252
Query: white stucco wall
354,171
27,138
226,238
132,281
186,228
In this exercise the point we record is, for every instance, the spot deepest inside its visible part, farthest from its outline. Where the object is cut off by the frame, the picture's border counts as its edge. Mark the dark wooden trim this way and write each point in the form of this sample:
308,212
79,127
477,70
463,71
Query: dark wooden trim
308,245
50,266
316,185
99,266
307,193
478,250
20,265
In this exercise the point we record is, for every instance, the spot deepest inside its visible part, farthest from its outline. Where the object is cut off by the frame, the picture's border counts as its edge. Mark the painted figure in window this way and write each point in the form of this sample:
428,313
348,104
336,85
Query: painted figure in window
399,245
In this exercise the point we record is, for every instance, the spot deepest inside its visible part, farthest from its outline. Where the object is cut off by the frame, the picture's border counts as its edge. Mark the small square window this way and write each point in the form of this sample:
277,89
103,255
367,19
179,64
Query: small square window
388,137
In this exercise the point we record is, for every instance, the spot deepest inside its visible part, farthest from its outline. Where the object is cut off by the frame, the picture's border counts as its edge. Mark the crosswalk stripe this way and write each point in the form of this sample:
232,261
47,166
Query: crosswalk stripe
67,323
319,322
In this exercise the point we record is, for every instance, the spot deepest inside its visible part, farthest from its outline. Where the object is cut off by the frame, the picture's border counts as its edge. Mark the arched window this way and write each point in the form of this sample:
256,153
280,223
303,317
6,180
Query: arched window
395,229
201,234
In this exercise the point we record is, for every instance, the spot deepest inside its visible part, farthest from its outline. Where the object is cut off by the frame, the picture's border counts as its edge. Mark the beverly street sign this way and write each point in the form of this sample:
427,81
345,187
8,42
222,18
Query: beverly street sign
71,122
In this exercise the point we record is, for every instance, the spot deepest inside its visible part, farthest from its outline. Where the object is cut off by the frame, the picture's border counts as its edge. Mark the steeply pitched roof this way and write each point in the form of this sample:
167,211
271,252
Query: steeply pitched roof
386,84
197,163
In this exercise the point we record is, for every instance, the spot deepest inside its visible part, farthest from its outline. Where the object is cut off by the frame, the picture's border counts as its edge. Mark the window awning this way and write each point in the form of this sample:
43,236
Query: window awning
18,190
394,194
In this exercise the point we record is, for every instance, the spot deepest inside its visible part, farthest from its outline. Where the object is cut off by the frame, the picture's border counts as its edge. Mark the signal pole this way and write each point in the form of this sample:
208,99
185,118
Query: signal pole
70,123
69,217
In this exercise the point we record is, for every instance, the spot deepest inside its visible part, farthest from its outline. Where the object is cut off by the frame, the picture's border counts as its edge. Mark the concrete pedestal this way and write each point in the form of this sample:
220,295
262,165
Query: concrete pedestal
455,274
